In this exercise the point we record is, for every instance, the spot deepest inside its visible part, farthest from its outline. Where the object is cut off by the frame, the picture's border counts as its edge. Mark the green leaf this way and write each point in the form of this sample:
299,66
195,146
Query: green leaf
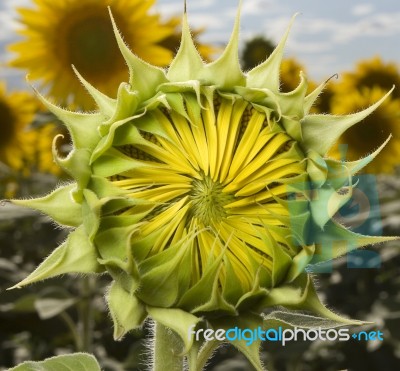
51,307
69,362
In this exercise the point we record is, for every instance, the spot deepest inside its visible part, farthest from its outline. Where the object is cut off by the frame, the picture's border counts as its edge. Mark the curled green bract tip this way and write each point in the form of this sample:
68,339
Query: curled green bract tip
203,191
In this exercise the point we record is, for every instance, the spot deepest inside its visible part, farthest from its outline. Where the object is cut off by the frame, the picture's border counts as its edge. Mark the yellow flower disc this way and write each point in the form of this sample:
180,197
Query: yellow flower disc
216,176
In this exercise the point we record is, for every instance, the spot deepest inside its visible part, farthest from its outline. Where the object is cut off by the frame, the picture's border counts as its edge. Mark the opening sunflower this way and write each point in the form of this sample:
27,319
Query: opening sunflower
204,192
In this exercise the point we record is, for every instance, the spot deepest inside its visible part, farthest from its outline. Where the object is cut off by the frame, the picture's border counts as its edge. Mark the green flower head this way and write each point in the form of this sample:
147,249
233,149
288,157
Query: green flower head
194,189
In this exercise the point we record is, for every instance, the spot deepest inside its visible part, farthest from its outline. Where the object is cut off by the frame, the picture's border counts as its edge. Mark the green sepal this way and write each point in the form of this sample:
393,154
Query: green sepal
311,98
313,304
249,321
266,75
216,304
114,236
114,162
187,61
200,294
281,261
111,138
317,168
81,126
176,104
165,276
225,73
292,103
300,262
143,77
126,105
335,241
105,104
340,171
75,255
232,289
292,319
326,203
178,321
293,128
331,127
264,100
77,165
102,187
59,205
126,310
251,299
91,210
288,294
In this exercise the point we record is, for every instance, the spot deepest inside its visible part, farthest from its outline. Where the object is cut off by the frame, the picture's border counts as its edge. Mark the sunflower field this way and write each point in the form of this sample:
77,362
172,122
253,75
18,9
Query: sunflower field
169,204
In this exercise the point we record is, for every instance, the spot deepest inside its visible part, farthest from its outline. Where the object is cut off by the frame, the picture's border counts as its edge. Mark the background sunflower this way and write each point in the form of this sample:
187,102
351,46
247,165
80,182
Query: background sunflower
22,148
62,33
370,73
366,136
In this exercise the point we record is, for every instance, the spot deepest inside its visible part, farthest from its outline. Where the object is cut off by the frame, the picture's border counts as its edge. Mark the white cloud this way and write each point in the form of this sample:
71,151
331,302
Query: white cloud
377,25
255,7
361,10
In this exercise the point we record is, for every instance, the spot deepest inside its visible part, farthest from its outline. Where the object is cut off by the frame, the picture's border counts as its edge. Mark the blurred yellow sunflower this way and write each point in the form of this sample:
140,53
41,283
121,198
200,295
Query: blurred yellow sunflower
23,148
370,73
61,33
366,136
256,51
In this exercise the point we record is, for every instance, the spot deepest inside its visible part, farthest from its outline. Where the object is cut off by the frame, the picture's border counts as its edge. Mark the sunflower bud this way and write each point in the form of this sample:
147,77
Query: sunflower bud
203,191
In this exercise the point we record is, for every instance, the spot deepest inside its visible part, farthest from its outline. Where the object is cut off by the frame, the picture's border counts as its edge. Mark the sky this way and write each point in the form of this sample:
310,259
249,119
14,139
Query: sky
328,37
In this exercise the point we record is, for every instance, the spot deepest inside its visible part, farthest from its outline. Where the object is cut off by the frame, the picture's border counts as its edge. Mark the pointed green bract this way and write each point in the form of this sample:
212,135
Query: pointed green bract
127,312
105,103
187,62
225,72
59,205
331,127
75,255
144,78
266,75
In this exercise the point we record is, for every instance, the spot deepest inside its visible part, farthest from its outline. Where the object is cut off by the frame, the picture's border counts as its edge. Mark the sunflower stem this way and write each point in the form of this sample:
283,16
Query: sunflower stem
166,350
86,313
198,359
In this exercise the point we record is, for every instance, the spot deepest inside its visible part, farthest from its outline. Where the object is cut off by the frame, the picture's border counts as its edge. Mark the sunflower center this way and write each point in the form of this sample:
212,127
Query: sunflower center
6,123
208,201
92,46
